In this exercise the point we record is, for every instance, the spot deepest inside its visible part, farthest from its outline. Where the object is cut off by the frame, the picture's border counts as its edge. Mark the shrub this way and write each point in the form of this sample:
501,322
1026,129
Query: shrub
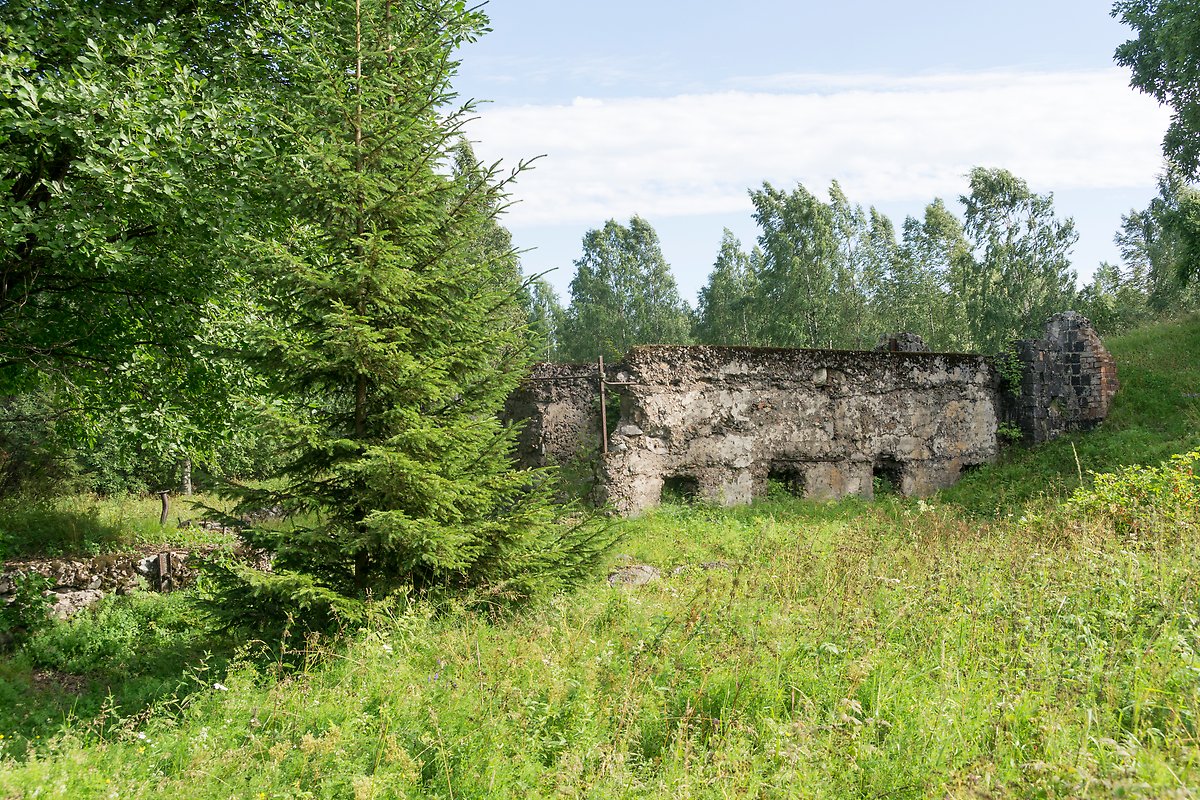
1143,501
27,612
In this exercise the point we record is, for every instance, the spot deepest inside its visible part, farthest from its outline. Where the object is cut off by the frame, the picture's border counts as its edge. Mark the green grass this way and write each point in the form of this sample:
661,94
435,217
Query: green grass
1156,414
126,657
841,651
84,525
899,649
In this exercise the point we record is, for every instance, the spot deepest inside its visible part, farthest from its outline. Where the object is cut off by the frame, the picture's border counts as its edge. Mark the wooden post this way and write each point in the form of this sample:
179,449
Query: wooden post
162,518
603,411
166,580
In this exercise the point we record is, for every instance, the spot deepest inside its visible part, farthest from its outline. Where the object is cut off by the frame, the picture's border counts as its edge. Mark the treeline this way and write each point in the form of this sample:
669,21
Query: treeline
831,274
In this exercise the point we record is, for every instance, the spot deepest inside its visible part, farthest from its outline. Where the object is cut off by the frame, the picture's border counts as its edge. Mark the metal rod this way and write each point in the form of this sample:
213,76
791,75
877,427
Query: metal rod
603,411
580,378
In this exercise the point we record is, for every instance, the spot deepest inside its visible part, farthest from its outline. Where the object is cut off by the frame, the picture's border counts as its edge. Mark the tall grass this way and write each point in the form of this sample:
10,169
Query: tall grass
898,651
1155,414
84,525
981,646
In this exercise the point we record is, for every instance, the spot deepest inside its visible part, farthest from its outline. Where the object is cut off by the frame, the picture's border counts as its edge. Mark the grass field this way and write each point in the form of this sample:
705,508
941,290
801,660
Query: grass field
991,642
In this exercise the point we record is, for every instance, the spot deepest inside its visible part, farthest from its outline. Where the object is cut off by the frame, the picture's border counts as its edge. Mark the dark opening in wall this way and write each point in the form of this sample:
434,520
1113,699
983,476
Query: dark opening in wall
680,489
785,480
887,476
612,409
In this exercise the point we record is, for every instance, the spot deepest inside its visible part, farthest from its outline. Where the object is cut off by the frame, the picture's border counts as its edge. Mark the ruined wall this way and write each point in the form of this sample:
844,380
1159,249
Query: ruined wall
559,406
721,420
1067,380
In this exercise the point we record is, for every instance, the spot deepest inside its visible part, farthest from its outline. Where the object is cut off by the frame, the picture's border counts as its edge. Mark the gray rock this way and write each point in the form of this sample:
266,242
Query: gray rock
634,575
66,604
902,342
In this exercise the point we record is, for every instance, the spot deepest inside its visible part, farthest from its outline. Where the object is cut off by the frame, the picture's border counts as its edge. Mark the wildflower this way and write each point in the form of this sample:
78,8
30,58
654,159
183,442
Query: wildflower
220,687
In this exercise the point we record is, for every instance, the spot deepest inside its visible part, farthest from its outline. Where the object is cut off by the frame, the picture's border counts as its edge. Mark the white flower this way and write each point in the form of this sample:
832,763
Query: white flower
220,687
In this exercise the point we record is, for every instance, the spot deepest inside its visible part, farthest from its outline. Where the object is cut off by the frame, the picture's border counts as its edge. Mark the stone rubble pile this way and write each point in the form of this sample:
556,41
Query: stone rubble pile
78,583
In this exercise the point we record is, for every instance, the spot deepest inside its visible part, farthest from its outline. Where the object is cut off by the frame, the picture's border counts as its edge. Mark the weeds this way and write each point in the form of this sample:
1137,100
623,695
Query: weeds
993,644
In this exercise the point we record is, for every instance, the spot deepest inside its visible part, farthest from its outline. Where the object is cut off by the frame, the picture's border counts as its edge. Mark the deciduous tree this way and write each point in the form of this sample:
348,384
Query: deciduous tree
726,314
1020,271
623,294
1164,61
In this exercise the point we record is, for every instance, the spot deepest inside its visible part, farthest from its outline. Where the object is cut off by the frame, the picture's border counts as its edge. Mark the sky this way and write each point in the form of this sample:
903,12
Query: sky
674,110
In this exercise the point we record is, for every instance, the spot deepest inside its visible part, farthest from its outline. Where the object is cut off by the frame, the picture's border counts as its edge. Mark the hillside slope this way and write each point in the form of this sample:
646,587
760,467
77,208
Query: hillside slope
1155,414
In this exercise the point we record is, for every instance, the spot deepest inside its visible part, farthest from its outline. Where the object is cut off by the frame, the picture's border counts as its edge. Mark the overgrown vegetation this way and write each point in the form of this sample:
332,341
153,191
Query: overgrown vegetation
1156,415
243,240
905,648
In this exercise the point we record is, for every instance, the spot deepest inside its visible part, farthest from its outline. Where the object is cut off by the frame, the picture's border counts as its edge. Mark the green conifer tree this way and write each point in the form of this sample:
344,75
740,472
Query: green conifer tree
393,335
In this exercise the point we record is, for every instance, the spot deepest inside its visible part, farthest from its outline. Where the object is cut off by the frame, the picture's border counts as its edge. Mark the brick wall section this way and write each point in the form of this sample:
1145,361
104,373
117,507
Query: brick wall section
1068,380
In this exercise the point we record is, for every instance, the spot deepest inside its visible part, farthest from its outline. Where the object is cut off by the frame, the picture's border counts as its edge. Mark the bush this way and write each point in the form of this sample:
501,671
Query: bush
28,612
1144,501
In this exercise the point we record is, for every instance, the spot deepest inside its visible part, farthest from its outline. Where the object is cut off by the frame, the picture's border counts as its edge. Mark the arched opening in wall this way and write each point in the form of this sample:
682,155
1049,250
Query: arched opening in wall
785,480
679,489
887,476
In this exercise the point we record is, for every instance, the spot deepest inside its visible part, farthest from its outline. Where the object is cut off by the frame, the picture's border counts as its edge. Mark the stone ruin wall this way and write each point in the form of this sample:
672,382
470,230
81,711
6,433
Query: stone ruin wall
1067,380
720,422
559,405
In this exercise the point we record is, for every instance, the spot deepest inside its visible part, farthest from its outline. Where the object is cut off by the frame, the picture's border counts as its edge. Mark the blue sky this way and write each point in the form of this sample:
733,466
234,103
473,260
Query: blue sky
673,110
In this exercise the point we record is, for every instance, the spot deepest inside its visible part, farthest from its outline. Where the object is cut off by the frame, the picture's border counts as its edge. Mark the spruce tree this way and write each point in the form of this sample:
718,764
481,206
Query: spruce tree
392,336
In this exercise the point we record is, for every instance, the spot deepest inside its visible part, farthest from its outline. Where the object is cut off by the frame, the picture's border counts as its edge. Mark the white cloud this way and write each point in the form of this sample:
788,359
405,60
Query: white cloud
885,139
